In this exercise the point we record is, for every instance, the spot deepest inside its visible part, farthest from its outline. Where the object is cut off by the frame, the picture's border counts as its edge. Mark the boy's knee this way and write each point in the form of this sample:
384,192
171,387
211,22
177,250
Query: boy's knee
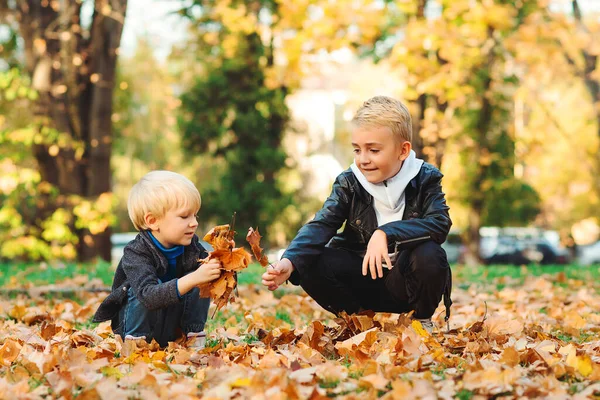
429,259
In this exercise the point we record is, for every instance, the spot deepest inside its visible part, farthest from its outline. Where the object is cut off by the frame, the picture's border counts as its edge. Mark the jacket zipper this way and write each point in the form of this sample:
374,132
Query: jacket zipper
412,240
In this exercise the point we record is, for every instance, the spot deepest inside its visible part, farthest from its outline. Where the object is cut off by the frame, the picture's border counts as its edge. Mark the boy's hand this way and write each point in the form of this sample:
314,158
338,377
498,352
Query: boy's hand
377,250
277,275
209,271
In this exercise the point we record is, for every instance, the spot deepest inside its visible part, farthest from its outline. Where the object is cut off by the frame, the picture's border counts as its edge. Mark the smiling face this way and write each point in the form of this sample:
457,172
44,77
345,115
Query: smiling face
378,154
176,227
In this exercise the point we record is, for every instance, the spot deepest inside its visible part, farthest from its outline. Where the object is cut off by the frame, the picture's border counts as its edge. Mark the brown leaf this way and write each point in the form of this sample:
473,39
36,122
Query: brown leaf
253,238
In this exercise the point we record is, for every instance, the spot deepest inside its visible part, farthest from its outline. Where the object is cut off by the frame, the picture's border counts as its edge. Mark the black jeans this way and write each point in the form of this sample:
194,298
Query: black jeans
418,281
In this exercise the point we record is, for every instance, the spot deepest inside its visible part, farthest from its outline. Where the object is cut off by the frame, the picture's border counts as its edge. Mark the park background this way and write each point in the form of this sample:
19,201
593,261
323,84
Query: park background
251,100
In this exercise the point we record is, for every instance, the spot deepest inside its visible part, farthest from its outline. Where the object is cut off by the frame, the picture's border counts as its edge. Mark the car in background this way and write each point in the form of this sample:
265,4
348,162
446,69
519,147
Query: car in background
119,241
453,247
589,254
518,246
511,250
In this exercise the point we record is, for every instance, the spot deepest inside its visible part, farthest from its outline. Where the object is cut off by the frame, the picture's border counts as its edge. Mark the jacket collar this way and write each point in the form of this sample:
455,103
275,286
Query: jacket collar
366,197
191,253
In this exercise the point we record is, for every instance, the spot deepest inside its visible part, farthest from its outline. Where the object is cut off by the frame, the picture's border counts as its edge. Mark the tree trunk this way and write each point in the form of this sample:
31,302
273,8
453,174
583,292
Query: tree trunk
73,70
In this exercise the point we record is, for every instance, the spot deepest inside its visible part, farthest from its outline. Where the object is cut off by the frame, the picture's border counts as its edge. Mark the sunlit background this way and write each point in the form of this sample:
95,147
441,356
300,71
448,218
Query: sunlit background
251,100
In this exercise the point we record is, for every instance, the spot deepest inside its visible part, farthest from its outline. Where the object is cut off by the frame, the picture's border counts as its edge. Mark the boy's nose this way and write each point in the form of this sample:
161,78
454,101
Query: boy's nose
362,160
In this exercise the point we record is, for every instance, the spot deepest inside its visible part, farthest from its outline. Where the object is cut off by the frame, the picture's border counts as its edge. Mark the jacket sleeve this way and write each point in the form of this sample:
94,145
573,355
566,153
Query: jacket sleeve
141,275
308,244
434,223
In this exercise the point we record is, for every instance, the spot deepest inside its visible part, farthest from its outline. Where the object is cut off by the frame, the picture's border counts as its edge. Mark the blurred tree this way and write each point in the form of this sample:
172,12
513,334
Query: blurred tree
233,114
146,136
36,220
582,55
72,68
458,55
556,120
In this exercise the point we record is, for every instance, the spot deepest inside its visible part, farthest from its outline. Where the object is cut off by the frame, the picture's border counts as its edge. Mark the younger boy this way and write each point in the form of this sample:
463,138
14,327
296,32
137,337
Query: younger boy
154,292
395,216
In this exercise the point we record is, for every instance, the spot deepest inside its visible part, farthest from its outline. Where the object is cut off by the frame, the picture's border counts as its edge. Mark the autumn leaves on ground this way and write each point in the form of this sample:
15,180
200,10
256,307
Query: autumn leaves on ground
538,338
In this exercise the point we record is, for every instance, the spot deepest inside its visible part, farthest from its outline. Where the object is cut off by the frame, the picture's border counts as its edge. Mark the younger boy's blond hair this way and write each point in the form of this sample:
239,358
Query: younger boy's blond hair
383,111
158,192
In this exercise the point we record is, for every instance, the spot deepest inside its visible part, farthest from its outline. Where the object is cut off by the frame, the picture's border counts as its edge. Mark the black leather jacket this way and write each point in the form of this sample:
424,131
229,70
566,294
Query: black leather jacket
425,218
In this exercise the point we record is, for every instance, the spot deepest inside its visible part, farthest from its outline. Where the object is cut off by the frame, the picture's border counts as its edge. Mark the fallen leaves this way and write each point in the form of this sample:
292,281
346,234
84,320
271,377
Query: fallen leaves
265,347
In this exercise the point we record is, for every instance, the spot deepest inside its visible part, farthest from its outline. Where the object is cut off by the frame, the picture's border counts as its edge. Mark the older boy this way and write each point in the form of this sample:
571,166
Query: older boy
154,292
396,217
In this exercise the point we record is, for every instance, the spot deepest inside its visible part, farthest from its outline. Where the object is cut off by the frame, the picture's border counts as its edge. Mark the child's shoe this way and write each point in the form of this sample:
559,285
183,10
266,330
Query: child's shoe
131,337
427,324
196,340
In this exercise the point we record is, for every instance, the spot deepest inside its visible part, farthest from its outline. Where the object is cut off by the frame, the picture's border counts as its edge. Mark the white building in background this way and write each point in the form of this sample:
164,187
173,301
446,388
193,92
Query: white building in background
311,139
319,141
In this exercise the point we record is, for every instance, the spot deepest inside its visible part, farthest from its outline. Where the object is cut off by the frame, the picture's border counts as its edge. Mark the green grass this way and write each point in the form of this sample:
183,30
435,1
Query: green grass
52,272
491,273
251,275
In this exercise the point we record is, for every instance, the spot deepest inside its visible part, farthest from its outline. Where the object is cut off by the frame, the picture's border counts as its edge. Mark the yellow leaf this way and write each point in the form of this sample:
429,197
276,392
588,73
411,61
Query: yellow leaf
582,364
240,382
416,325
18,312
111,371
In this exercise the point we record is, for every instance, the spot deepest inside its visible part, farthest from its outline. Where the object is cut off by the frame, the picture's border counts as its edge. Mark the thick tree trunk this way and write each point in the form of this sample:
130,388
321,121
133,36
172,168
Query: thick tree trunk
74,71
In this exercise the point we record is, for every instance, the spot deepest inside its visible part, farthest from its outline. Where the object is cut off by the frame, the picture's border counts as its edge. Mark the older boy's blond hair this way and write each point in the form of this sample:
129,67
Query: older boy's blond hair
158,192
383,111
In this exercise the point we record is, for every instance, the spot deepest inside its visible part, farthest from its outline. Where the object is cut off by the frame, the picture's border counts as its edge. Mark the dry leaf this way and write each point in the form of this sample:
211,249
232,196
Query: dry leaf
233,260
253,238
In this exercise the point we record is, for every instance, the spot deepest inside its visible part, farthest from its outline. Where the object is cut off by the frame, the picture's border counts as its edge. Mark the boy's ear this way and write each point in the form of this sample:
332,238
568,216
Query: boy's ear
151,221
405,150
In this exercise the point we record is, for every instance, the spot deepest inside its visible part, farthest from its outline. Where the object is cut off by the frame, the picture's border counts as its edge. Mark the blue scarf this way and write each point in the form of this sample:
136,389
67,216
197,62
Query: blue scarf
171,255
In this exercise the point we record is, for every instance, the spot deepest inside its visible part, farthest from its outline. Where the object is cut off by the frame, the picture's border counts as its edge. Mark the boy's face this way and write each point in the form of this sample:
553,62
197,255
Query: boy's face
176,227
377,153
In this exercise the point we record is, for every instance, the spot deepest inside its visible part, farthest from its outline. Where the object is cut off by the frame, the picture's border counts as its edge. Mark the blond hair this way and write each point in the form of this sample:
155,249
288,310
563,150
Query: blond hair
383,111
158,192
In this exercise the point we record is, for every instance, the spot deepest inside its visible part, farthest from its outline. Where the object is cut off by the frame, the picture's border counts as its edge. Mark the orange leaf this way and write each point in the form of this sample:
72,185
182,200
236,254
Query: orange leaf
232,260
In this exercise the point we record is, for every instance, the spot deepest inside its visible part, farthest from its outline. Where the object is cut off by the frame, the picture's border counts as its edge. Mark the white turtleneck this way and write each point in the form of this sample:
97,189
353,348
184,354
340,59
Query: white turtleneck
389,197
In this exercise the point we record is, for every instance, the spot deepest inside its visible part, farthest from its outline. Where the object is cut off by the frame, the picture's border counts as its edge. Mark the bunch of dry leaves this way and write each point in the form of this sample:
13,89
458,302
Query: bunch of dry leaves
539,339
233,260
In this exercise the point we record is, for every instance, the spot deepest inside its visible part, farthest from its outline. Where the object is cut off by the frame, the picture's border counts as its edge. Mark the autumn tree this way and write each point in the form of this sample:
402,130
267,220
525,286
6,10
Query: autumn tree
72,67
582,55
233,114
